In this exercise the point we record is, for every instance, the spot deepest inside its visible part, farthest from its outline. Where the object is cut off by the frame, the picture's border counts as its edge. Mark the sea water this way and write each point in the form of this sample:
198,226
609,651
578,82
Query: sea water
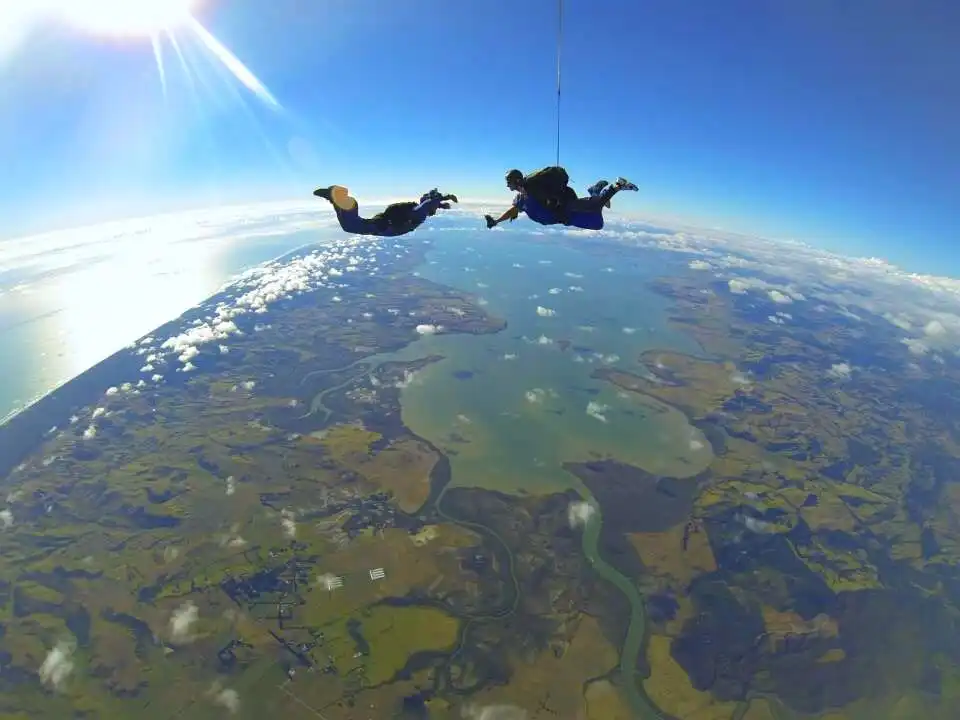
510,408
62,322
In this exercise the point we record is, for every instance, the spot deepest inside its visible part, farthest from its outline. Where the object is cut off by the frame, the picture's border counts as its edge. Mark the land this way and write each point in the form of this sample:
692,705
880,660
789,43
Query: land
812,568
265,536
217,545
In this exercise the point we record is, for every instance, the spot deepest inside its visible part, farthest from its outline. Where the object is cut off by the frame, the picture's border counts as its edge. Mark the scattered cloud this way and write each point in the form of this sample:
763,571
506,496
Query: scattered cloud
629,330
509,356
226,697
917,347
925,306
545,312
6,518
737,286
597,410
57,665
428,329
753,524
840,371
231,485
580,513
493,712
182,622
288,523
934,328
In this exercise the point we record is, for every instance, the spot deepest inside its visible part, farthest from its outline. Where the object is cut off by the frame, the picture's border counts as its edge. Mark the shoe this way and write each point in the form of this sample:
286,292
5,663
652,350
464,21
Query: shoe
597,188
625,184
340,197
323,192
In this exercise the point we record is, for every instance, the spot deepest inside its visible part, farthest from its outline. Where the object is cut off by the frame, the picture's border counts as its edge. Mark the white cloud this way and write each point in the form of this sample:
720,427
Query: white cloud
57,665
409,378
544,340
575,288
699,265
509,356
738,286
629,330
555,291
597,410
917,347
934,328
545,312
97,412
6,518
493,712
231,485
753,524
428,329
851,286
182,622
573,275
900,321
534,396
288,524
696,445
112,390
580,513
839,370
90,432
227,697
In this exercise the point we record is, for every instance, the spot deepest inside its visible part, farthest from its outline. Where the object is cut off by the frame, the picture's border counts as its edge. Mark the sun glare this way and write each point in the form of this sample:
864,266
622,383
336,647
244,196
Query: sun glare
124,18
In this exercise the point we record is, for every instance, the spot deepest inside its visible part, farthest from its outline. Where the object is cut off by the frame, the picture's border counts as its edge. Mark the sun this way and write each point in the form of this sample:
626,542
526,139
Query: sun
123,18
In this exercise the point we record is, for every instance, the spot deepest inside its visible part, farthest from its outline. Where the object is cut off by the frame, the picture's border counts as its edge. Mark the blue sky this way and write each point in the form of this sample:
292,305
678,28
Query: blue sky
833,122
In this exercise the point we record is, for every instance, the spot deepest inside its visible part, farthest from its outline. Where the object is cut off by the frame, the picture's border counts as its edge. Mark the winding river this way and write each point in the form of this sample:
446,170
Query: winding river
633,642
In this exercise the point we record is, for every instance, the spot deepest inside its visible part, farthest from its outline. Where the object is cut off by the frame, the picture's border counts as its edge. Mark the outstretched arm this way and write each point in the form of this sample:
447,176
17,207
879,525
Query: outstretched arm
512,214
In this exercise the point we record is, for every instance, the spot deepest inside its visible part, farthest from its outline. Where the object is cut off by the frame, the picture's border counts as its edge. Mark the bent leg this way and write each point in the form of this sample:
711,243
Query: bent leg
348,211
351,222
587,219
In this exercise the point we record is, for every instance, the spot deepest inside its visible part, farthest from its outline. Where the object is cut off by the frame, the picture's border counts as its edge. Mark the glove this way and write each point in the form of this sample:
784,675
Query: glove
444,206
451,197
491,223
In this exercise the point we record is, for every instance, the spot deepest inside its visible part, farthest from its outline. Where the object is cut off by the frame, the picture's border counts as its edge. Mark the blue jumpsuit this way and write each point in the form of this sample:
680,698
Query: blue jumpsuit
584,217
351,221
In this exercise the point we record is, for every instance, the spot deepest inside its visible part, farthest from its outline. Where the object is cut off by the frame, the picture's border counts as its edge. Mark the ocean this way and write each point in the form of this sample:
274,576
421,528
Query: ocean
58,323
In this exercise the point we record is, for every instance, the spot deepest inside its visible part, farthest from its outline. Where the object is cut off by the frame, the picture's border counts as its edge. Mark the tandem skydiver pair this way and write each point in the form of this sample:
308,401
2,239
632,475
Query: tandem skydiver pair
545,196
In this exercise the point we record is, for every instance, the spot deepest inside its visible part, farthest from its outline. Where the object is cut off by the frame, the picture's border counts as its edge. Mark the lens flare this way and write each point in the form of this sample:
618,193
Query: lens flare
156,21
123,18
